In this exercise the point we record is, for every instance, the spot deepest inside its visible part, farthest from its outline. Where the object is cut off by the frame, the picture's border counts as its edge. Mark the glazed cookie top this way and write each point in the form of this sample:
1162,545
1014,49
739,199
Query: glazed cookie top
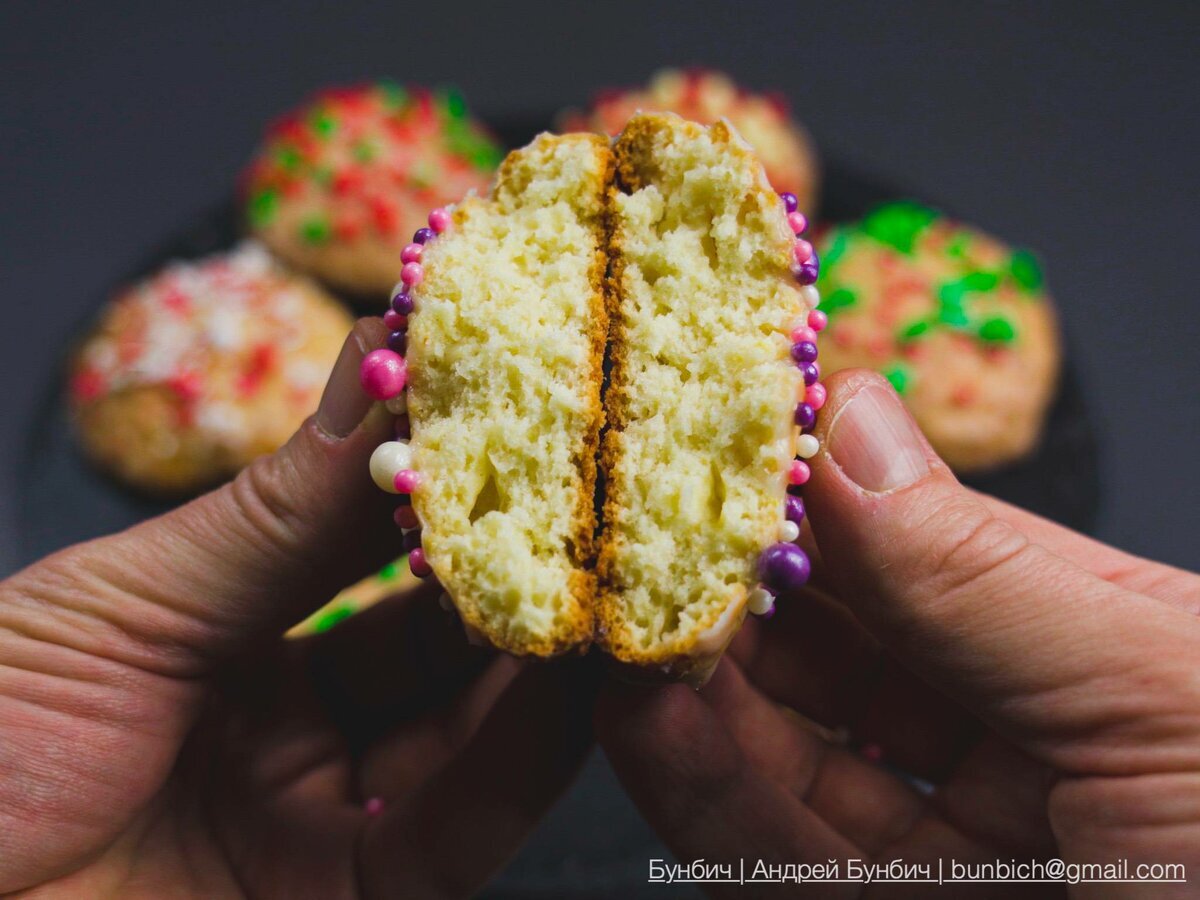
219,335
959,323
364,164
704,96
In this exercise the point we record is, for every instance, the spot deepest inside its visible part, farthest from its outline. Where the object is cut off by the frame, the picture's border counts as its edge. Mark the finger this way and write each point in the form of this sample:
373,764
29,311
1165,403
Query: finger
399,659
1162,582
814,657
399,762
473,815
695,787
1016,633
866,804
240,563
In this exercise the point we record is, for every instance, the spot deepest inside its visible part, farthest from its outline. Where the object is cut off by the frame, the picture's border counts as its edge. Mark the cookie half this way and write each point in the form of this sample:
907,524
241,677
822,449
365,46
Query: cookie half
505,352
703,391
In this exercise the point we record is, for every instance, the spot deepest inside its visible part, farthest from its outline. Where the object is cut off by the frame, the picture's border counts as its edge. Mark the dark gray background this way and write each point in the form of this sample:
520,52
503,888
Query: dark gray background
1069,128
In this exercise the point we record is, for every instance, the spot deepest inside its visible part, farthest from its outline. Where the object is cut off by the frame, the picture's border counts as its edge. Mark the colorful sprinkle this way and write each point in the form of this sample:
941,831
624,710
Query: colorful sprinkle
784,567
383,374
418,564
406,481
798,472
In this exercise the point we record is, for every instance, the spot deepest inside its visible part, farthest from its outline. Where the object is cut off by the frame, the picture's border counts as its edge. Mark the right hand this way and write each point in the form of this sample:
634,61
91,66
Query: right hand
1047,685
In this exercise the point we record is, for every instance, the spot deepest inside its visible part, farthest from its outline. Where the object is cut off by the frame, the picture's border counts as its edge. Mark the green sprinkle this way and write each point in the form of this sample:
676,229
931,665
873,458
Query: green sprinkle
315,231
288,157
394,94
263,207
952,314
324,124
486,157
997,331
957,248
1025,270
331,617
951,293
980,281
898,376
898,224
364,151
388,572
837,299
837,248
454,103
913,331
323,176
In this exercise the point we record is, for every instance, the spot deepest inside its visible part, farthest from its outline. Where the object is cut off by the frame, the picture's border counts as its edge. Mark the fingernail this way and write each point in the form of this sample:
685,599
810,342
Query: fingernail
344,403
874,441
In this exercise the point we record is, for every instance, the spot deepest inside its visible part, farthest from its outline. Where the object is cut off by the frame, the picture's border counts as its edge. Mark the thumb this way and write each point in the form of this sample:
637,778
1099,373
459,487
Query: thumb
242,562
957,594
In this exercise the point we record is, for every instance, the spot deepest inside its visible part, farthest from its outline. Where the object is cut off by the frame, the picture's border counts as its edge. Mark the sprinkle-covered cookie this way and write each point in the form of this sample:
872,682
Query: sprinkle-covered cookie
340,184
959,323
764,120
194,372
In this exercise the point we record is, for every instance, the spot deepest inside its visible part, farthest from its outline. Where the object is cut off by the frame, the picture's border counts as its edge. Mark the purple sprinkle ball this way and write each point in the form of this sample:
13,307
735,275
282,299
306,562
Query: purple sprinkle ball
423,235
790,203
784,567
804,351
811,372
793,509
402,303
806,416
807,273
412,540
398,341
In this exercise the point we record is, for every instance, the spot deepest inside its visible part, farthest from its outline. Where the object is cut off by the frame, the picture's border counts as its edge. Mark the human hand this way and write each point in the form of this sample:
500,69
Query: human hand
158,737
1047,685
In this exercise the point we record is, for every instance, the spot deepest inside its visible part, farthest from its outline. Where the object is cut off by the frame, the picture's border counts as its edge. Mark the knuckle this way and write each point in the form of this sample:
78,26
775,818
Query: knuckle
265,497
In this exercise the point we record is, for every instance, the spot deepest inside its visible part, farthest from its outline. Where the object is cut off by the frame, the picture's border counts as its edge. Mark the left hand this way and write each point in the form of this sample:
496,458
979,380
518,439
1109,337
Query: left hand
157,736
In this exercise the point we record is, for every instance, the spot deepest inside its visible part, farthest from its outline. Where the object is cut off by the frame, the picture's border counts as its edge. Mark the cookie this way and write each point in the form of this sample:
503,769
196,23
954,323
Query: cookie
959,323
394,578
196,371
781,144
670,255
340,183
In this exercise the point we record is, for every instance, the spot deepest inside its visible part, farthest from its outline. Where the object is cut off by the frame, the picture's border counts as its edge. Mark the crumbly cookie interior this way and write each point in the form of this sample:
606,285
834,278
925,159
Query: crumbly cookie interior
702,389
505,353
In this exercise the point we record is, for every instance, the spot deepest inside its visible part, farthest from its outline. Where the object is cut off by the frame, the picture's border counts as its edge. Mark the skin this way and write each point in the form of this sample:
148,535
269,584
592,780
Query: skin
1044,683
159,738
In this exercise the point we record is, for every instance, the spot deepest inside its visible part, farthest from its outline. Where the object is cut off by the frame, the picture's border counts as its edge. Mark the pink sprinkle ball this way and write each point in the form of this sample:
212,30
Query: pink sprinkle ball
419,565
412,273
439,220
394,321
815,395
817,320
383,374
373,806
797,222
802,250
804,333
406,481
872,752
412,253
799,473
405,517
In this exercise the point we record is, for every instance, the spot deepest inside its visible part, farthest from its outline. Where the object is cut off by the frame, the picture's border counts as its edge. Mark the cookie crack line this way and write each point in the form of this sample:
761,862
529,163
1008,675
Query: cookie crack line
637,495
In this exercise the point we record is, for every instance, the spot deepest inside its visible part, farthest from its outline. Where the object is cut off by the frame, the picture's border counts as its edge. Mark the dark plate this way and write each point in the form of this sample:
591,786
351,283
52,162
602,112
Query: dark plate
593,843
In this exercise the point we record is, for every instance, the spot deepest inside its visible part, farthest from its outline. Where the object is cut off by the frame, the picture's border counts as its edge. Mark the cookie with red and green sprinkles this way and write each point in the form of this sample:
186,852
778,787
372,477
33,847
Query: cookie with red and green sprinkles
194,372
765,120
960,323
340,185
